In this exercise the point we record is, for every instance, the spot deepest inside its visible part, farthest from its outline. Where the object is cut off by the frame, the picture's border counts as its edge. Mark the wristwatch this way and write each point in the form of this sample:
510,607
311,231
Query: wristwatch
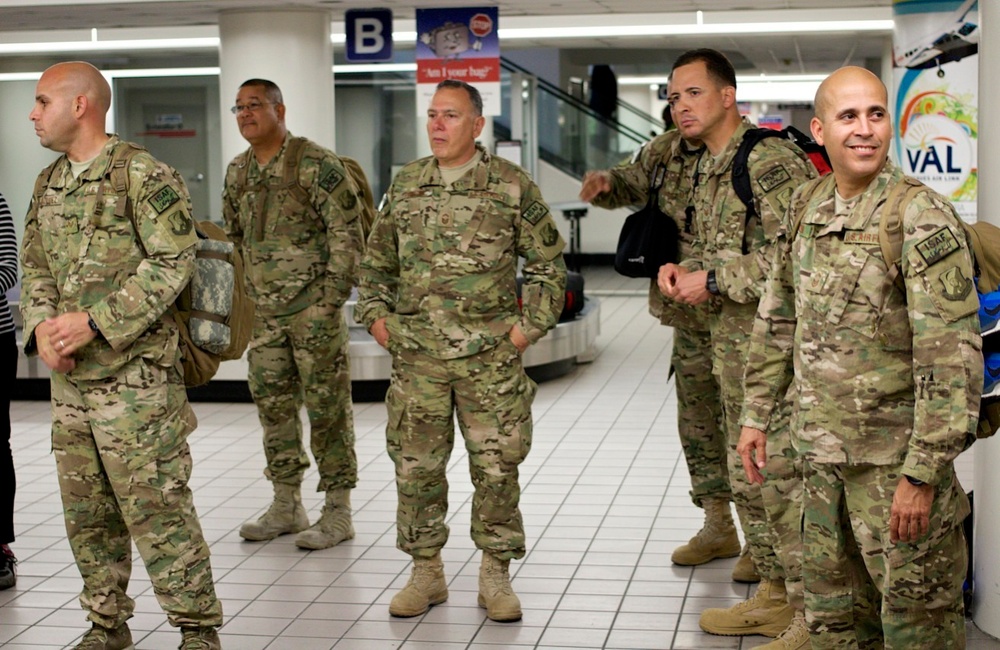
914,481
711,284
93,325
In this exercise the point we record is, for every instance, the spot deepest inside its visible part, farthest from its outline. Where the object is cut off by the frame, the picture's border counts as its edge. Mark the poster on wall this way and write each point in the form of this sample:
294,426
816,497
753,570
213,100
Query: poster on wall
936,72
458,43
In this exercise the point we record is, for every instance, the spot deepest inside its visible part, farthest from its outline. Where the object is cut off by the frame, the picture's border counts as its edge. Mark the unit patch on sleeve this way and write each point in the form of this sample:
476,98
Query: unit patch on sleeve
163,199
331,179
535,212
773,179
937,246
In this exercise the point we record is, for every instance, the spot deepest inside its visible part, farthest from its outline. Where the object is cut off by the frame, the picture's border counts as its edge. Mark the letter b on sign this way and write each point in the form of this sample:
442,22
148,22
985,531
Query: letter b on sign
369,34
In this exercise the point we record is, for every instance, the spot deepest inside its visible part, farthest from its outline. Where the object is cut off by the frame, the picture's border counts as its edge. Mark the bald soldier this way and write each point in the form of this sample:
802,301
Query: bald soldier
96,289
730,260
887,376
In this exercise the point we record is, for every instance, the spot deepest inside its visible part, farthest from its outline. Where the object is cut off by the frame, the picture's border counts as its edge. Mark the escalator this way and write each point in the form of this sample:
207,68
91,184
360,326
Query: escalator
571,136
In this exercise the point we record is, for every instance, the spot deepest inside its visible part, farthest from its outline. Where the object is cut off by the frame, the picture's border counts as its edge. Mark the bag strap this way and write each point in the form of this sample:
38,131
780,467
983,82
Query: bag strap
655,183
890,231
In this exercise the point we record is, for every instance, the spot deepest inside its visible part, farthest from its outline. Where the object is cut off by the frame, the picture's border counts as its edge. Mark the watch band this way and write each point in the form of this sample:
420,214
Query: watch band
711,283
914,481
93,324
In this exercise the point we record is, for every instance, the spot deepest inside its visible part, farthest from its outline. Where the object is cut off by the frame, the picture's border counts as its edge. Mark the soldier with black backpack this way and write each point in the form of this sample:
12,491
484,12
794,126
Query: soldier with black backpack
730,260
295,212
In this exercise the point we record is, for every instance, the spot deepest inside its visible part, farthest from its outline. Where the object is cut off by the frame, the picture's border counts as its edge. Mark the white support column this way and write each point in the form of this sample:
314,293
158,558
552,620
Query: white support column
986,606
289,47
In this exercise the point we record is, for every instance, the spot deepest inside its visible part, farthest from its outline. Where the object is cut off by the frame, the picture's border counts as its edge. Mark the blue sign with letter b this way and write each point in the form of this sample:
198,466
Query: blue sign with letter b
369,34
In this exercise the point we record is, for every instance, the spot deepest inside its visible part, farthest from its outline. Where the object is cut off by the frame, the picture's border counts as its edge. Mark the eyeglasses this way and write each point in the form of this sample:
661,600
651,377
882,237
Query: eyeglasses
253,107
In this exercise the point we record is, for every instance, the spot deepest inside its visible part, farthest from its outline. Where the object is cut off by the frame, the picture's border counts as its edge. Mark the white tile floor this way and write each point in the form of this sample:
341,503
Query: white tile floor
604,498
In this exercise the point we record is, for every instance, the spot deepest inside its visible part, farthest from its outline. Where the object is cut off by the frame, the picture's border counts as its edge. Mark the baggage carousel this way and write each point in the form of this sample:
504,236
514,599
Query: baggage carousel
554,355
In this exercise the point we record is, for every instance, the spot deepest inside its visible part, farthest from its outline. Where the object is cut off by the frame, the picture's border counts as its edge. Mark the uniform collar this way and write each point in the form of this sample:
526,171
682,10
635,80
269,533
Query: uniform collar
476,178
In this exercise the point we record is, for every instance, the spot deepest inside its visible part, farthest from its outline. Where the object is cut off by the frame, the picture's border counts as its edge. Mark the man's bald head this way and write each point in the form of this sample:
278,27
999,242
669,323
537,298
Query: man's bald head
847,76
78,78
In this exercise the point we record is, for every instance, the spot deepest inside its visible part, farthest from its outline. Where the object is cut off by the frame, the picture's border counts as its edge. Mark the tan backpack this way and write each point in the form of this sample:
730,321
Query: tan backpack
290,179
213,313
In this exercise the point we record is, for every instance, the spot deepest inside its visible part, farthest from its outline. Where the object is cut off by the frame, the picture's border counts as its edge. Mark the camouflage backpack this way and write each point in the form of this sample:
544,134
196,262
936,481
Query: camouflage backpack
213,313
290,179
984,243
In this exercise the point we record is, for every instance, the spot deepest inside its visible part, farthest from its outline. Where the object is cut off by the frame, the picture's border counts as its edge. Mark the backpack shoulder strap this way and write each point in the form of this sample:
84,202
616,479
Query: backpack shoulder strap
118,177
293,160
890,229
741,167
43,180
242,169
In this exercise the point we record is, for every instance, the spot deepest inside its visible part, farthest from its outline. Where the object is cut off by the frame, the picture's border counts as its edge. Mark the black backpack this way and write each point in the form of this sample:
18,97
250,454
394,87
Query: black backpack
741,171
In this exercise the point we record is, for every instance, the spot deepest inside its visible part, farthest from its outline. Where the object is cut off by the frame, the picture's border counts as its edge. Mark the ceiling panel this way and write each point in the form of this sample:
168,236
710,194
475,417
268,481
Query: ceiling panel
771,54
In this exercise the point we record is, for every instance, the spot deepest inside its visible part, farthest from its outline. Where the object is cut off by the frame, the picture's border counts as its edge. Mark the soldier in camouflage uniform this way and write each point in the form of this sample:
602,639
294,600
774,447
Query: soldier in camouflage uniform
438,291
94,310
301,243
887,376
699,409
731,259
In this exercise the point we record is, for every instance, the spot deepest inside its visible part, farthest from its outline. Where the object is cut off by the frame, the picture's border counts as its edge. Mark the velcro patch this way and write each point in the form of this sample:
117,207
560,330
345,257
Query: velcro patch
858,237
535,212
163,199
937,246
955,286
331,179
774,178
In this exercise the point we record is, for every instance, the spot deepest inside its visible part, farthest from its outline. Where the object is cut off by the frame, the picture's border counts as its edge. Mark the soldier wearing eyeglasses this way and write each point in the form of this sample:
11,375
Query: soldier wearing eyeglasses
293,212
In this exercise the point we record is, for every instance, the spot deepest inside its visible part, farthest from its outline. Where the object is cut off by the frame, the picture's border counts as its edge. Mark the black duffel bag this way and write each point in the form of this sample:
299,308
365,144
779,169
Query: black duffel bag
649,238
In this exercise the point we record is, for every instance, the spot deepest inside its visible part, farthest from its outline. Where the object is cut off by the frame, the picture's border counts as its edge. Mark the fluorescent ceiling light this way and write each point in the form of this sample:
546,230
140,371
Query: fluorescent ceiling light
703,29
207,43
740,80
358,68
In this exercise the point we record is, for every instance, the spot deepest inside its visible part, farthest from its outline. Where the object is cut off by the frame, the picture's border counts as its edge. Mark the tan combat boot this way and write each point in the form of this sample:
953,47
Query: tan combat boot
286,515
767,612
334,525
716,539
795,636
200,638
102,638
495,592
426,587
745,571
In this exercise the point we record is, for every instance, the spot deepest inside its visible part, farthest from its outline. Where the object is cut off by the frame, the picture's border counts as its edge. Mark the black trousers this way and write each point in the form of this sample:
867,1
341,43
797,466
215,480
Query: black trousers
8,483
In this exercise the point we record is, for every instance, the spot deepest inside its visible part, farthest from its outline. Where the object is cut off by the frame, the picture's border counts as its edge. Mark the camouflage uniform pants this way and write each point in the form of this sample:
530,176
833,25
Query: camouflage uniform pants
304,357
920,584
730,338
699,415
782,494
123,461
491,396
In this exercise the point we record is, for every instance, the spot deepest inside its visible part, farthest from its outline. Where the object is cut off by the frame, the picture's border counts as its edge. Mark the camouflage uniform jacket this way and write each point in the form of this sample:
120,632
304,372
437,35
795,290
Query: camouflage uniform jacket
776,168
882,377
299,248
441,262
78,256
630,187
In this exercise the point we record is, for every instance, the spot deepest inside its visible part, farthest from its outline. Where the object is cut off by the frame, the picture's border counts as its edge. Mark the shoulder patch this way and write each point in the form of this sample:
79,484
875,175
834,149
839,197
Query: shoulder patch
535,212
955,286
348,200
163,199
180,223
773,179
937,246
331,179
